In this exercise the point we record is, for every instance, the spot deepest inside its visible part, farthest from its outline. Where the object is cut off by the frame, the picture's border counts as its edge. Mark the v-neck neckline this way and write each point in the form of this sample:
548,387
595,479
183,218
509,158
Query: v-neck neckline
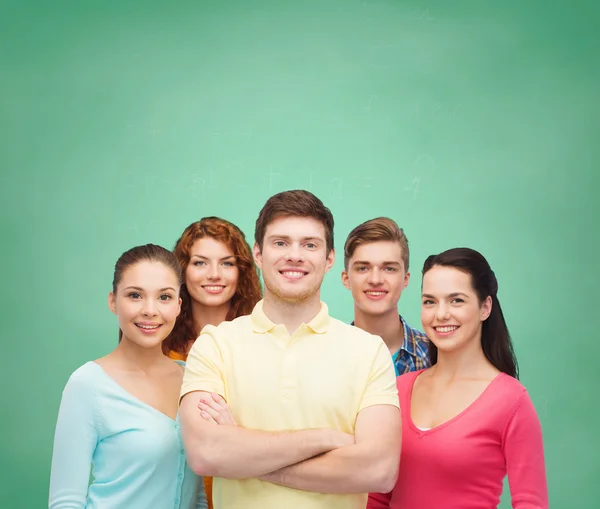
444,424
134,398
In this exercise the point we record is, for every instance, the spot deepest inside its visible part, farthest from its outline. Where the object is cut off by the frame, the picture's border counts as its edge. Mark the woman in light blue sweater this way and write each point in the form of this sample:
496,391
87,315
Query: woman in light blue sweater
118,414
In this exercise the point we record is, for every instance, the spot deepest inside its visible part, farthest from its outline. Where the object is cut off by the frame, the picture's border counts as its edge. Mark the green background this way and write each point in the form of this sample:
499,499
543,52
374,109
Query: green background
471,123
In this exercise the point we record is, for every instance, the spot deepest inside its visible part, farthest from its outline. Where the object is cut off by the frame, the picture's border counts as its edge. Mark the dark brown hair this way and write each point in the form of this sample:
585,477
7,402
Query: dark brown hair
248,291
297,203
150,253
376,230
495,338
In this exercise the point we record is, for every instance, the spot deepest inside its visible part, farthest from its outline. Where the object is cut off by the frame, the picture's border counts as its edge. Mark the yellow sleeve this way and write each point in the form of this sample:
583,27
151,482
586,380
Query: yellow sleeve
381,386
204,366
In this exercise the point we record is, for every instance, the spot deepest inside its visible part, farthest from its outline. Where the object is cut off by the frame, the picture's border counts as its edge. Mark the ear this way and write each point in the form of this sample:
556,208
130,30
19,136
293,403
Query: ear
330,260
346,279
112,302
406,280
257,255
179,306
486,308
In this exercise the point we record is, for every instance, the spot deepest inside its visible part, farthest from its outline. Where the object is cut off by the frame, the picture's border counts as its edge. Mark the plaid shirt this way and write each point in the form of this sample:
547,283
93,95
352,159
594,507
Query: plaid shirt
412,355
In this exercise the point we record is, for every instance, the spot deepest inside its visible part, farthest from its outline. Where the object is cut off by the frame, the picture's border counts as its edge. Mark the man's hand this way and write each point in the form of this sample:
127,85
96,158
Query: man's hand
216,410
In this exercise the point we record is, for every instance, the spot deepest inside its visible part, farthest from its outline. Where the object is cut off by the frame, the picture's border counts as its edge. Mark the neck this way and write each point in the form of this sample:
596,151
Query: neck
387,326
208,315
135,357
291,314
465,363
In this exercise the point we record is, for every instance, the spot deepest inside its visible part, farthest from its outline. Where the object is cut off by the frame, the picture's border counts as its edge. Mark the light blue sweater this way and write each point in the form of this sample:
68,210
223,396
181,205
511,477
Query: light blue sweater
136,451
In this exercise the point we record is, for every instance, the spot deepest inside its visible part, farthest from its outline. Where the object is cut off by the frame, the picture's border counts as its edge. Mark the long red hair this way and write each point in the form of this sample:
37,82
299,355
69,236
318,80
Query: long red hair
247,293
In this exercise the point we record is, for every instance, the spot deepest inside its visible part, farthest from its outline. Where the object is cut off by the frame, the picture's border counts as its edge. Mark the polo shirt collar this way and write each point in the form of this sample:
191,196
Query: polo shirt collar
262,324
320,322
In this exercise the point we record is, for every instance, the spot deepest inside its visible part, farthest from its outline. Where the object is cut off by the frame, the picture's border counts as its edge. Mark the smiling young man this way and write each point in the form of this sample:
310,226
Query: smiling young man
376,260
316,423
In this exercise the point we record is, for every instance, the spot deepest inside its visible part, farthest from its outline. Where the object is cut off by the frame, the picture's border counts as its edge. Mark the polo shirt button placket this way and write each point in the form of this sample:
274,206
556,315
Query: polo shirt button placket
287,366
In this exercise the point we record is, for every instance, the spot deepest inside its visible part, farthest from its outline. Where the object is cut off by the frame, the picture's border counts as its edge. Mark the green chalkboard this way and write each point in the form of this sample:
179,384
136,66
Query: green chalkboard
471,123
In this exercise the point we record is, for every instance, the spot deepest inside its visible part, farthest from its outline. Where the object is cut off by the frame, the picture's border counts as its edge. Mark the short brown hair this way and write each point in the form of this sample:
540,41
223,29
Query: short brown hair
376,230
298,203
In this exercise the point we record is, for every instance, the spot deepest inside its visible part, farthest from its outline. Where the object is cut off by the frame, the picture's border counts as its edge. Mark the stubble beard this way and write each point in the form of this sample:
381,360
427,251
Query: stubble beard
292,298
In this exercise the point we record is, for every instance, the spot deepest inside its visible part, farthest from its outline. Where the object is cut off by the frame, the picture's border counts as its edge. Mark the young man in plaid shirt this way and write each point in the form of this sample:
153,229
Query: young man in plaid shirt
376,271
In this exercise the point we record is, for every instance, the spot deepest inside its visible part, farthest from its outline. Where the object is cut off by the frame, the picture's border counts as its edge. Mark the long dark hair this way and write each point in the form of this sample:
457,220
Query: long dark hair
495,338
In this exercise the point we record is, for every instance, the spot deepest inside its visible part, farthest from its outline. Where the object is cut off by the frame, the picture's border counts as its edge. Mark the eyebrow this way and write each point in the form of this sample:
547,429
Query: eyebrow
141,289
365,262
454,294
287,237
220,259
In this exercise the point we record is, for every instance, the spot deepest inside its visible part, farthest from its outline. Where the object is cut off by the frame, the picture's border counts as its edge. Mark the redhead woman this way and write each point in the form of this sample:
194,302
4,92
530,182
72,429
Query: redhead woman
220,282
118,415
467,422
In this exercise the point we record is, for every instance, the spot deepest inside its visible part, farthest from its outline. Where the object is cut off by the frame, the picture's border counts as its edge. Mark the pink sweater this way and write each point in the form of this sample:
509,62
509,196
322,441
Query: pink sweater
461,464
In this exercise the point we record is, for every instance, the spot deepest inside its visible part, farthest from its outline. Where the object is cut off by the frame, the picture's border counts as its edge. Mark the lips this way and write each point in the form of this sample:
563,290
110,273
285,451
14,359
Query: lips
445,330
292,274
375,294
213,288
148,328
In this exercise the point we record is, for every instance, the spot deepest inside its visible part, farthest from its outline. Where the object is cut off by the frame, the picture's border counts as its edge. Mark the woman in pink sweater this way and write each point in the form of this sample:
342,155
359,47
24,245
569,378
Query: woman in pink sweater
467,422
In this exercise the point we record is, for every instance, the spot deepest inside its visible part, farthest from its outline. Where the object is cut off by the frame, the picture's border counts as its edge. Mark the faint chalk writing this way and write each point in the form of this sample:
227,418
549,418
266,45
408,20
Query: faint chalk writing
154,132
414,187
369,106
336,189
426,15
416,111
424,161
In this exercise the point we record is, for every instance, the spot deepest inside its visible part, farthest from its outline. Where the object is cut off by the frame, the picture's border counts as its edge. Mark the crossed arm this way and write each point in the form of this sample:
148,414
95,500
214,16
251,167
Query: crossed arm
239,453
369,464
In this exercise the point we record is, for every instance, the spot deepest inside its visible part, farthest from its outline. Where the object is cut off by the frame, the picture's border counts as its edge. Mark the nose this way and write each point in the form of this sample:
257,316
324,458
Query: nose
150,308
214,272
442,311
375,276
294,253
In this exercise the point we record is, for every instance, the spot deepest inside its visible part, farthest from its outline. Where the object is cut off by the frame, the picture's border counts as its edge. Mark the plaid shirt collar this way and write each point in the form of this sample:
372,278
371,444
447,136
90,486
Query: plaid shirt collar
414,340
411,339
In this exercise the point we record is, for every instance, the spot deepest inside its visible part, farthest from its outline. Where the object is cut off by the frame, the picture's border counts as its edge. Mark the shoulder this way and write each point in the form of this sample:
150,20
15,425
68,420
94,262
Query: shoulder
87,375
228,329
350,332
406,381
177,369
85,386
506,398
507,388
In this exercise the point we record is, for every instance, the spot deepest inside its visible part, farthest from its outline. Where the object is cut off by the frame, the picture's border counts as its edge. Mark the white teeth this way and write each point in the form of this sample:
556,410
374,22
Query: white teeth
448,328
375,293
213,288
293,274
147,326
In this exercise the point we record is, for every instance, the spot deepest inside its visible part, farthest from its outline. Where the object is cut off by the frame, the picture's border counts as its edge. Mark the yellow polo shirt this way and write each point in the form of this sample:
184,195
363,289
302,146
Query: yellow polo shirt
321,376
